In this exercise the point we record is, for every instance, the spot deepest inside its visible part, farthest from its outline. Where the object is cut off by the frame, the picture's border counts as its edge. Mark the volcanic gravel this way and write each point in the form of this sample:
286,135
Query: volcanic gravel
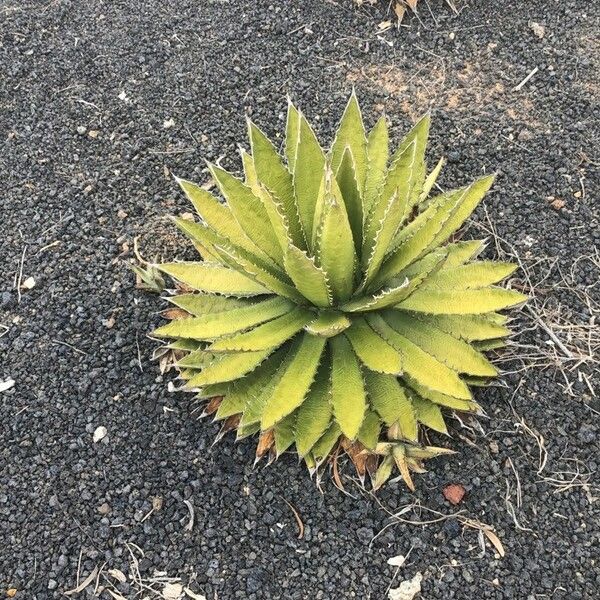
99,103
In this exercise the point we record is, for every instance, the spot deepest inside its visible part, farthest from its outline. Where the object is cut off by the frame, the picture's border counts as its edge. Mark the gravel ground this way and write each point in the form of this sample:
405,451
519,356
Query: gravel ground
99,101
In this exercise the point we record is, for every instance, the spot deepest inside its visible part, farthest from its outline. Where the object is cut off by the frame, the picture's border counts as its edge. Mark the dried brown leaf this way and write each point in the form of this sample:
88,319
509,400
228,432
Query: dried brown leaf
400,11
265,441
495,540
213,405
175,313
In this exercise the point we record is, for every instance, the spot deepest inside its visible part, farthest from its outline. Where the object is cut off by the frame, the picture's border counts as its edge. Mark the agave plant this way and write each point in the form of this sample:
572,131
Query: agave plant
333,309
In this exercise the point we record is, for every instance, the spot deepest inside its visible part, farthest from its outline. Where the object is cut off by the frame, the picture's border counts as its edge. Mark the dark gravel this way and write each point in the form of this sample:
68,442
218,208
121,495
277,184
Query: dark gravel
73,200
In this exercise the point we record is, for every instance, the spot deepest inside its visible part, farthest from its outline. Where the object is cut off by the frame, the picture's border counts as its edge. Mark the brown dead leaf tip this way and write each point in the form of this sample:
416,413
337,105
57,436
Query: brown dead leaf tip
454,493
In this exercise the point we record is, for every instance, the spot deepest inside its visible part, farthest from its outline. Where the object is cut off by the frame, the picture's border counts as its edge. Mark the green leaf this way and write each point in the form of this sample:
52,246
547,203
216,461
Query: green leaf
244,431
189,345
444,399
387,297
291,135
201,237
429,414
260,273
277,179
276,217
426,231
228,367
240,259
459,253
187,374
466,327
335,252
314,414
384,472
413,240
218,216
347,389
213,278
377,157
284,434
430,180
196,359
369,432
320,451
418,137
404,285
233,404
474,275
310,463
351,134
328,323
350,192
250,176
309,279
294,384
373,351
475,193
309,166
492,344
272,371
268,335
249,212
419,365
214,325
392,404
236,399
461,302
385,219
454,353
376,241
200,304
151,279
390,202
210,391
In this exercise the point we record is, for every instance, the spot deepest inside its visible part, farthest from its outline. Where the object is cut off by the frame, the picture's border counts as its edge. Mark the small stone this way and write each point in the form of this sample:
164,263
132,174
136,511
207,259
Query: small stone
93,133
538,30
364,534
99,434
104,508
7,300
28,284
454,493
52,584
467,576
6,385
81,130
172,591
121,214
525,135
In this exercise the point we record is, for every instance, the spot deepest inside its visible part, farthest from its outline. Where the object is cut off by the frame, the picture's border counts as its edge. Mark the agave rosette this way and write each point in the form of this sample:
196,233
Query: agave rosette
332,308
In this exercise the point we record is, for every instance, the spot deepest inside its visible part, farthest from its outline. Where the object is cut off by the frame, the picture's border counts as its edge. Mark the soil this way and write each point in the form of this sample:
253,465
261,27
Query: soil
100,103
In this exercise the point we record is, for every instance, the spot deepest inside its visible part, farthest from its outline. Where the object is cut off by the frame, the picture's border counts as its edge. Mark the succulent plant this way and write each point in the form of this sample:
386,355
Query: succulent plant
333,309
